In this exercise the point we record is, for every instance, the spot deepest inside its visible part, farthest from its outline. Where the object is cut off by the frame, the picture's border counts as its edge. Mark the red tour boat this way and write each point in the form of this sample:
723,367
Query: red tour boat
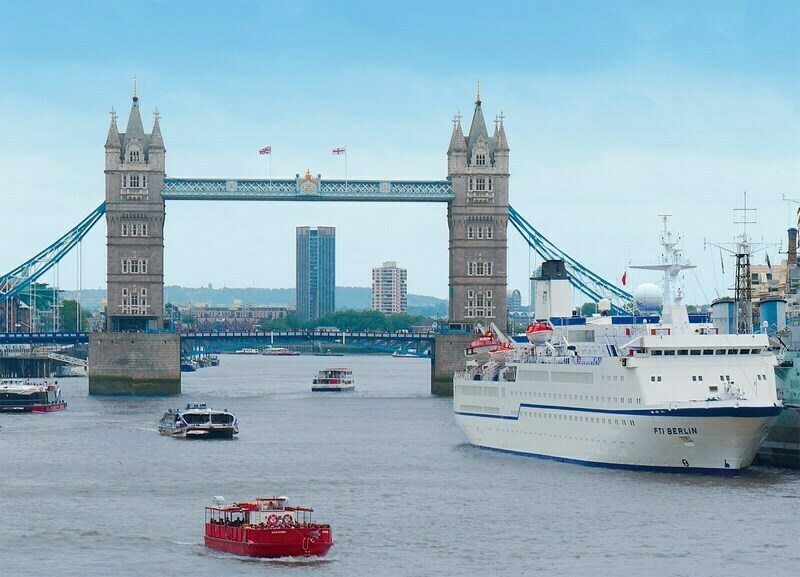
266,528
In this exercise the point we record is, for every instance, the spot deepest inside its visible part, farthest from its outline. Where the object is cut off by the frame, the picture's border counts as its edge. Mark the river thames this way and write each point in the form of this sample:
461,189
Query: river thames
95,490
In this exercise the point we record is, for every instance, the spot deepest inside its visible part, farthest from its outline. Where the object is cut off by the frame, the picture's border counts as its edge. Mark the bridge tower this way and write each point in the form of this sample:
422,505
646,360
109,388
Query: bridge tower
477,218
477,166
133,357
135,220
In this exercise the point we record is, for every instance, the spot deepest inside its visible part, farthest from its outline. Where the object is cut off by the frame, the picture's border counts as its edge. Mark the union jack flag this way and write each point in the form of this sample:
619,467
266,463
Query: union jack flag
265,150
339,150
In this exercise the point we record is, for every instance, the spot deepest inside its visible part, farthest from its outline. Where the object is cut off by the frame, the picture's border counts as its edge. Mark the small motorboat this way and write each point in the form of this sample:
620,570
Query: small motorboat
334,380
198,421
30,397
402,355
271,351
266,528
188,367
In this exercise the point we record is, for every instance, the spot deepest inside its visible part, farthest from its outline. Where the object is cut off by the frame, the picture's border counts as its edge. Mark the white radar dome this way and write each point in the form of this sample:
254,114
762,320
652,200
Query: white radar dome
604,305
648,297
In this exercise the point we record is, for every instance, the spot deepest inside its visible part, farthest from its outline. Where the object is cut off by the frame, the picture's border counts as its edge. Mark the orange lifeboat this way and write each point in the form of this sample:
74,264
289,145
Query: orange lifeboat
539,332
502,354
483,344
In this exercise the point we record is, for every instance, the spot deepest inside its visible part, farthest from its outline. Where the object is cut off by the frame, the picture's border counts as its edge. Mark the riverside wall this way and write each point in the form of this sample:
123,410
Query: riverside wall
134,364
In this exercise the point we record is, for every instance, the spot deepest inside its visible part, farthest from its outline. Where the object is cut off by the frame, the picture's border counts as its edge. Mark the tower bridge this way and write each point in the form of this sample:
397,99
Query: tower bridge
136,356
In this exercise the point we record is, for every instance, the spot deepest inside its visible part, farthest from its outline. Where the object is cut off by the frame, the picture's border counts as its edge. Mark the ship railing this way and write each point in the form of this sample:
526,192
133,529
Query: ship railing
572,360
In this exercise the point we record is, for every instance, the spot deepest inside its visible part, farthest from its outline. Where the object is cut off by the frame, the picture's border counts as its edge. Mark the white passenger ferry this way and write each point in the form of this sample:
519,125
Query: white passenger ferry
657,393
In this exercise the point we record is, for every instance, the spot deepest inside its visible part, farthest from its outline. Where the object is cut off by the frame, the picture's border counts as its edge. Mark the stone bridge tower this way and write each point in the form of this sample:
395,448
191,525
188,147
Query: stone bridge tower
135,220
132,357
477,165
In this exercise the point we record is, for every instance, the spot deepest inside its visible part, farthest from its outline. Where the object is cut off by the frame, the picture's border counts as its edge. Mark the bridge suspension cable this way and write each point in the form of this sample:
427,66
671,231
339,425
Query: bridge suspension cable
29,272
587,282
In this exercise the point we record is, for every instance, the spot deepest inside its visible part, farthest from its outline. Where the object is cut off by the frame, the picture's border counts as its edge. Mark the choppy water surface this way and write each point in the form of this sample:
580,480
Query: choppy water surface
95,490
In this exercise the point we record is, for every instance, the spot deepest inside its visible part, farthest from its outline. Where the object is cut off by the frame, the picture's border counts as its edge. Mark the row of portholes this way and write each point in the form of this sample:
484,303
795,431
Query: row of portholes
578,418
573,397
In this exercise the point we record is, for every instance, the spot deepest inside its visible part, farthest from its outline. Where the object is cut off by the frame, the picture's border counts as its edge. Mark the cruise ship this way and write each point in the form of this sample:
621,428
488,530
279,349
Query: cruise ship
654,392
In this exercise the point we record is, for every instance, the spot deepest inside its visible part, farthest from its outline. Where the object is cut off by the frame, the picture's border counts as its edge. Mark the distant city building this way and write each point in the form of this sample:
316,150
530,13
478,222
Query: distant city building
316,271
532,304
389,291
239,317
514,299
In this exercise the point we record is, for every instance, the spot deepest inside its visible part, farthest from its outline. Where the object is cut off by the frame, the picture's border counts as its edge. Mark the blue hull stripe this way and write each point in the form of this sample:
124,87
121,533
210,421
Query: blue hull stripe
704,412
656,468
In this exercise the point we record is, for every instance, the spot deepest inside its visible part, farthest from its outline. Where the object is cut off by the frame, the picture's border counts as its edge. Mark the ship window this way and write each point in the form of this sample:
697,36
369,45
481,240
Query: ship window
732,351
713,388
722,377
683,352
744,352
708,351
656,353
694,378
658,378
695,352
720,351
669,353
755,351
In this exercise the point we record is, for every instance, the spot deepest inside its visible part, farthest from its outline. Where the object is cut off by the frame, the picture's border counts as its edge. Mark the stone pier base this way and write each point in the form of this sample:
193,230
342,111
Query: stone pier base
134,364
448,358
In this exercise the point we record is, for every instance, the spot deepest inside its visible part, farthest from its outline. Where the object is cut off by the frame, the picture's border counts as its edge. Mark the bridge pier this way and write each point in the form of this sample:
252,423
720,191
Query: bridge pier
134,364
448,357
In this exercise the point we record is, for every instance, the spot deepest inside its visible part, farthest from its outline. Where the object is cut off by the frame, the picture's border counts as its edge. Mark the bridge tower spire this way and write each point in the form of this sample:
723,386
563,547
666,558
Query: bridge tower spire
135,219
478,220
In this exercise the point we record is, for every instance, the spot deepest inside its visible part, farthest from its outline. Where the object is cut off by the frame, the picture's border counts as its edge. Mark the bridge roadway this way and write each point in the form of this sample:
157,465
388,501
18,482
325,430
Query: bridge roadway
195,343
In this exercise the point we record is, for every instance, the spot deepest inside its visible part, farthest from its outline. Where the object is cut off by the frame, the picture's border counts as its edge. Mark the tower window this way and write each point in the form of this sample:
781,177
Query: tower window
480,160
133,156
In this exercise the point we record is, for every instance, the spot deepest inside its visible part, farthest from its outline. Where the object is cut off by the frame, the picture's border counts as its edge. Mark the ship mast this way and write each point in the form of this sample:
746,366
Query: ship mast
743,248
671,264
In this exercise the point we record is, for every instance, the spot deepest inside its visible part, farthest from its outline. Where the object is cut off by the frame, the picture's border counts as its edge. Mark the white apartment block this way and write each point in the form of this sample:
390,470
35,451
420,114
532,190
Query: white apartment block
389,291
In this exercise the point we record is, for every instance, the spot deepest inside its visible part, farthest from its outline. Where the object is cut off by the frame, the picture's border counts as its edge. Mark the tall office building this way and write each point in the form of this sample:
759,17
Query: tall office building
389,291
316,271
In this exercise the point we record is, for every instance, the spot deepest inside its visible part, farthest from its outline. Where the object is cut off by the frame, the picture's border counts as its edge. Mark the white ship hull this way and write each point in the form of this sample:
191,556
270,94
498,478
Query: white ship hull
718,437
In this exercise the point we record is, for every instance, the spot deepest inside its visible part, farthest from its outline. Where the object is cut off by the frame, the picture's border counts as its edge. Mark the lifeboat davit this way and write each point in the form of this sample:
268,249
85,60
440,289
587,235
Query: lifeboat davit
539,332
502,354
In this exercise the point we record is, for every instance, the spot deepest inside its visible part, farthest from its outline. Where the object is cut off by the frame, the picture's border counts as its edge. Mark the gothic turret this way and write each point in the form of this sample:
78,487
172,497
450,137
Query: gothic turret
478,135
156,141
112,141
500,142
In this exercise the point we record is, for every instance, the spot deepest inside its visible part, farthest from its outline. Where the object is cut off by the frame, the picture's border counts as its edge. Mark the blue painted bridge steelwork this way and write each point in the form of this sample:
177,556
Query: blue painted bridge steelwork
199,343
308,188
205,342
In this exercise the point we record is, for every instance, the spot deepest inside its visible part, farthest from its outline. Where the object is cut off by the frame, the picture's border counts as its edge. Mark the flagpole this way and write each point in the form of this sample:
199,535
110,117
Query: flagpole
345,168
270,169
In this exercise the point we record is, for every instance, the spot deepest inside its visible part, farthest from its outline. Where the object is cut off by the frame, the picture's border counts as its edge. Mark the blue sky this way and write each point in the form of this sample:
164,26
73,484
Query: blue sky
615,112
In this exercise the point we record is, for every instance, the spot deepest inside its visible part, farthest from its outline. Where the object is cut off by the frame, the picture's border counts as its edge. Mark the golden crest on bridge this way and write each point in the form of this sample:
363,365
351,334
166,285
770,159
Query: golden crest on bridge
308,185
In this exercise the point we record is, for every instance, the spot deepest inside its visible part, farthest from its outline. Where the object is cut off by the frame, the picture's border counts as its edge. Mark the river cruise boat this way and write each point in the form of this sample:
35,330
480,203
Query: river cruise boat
197,421
246,351
334,380
655,392
29,397
266,528
278,352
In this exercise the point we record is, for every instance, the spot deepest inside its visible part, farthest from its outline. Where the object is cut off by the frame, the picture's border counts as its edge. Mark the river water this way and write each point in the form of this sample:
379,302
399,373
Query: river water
95,490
